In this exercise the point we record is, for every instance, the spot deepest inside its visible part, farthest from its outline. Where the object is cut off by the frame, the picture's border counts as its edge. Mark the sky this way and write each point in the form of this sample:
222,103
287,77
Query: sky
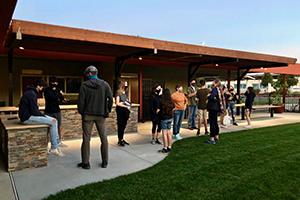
265,26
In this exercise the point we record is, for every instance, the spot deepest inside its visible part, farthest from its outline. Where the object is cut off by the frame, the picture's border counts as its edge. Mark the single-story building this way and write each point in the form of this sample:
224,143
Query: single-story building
29,50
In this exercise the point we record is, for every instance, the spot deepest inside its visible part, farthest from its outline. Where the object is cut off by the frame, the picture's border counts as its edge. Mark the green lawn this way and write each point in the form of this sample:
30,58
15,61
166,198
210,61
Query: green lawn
251,164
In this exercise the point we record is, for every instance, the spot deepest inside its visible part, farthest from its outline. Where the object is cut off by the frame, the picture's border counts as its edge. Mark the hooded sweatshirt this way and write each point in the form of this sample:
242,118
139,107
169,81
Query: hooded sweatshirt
95,98
28,104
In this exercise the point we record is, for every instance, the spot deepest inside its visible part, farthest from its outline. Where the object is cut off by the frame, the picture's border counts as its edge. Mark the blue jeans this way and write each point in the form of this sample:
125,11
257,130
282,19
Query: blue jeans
192,116
177,120
231,108
52,122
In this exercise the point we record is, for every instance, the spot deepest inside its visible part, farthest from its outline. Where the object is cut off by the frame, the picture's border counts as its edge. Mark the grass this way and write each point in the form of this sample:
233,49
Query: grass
251,164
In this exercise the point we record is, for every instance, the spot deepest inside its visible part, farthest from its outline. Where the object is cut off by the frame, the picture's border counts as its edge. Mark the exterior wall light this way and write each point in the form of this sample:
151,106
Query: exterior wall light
19,34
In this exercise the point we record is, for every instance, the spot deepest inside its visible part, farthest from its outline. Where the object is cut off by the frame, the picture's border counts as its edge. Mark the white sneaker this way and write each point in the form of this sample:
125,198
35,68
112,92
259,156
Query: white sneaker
223,126
248,126
178,137
153,142
61,144
56,152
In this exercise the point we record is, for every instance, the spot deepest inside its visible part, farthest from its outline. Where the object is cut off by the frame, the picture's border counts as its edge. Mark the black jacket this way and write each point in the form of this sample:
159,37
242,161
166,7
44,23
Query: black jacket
28,104
154,105
95,98
52,98
214,101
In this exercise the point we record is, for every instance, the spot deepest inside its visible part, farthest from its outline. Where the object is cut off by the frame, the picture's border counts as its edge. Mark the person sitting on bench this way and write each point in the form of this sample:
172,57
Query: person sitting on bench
30,114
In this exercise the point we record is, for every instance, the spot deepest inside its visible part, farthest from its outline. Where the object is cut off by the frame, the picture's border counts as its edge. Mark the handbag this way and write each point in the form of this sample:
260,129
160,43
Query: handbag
227,120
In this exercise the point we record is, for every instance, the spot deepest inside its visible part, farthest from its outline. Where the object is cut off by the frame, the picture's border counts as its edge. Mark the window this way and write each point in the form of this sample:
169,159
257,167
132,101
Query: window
61,84
69,85
255,86
73,85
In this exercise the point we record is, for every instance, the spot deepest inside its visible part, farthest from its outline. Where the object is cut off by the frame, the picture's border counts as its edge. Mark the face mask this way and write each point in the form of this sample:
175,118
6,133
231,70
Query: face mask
53,85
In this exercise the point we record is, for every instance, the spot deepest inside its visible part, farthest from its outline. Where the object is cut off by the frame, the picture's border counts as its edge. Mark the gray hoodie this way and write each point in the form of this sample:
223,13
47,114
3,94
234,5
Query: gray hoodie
95,98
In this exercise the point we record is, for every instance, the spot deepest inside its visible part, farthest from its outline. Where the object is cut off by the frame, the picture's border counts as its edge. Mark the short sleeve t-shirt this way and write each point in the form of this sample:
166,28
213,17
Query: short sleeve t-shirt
122,96
249,99
179,100
202,94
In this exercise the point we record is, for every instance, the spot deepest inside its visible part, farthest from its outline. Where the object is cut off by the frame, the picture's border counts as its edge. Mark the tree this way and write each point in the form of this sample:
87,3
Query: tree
266,79
281,85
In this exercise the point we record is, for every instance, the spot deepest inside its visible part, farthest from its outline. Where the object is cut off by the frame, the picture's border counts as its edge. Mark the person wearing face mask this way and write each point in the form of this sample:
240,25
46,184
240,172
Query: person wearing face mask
214,107
192,104
94,104
232,98
155,114
53,97
180,102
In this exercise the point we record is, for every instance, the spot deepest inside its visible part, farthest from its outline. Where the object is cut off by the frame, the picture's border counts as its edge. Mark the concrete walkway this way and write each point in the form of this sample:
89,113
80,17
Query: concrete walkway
62,173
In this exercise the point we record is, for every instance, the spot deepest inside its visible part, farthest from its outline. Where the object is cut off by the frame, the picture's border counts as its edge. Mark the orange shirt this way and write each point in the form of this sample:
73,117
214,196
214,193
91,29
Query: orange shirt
179,100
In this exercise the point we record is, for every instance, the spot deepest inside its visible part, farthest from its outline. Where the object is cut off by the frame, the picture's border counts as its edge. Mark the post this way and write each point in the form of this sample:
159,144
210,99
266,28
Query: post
238,90
10,57
284,91
228,78
118,67
141,114
189,74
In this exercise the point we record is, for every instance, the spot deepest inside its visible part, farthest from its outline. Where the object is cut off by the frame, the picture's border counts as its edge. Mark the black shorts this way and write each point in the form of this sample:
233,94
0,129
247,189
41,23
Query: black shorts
248,107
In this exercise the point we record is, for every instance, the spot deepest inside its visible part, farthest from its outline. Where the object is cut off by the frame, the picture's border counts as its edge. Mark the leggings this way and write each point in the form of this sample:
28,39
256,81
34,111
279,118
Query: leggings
213,123
122,118
156,127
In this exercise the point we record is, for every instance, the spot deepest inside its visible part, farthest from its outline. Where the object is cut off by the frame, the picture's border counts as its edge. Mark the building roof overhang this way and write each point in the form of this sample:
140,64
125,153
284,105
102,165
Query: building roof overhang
59,42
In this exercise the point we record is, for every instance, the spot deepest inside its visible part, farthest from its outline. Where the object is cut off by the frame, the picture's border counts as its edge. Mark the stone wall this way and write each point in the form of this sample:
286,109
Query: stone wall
24,148
71,123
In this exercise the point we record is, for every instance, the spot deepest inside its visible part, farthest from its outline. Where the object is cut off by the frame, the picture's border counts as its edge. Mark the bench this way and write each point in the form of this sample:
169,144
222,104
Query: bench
257,107
23,146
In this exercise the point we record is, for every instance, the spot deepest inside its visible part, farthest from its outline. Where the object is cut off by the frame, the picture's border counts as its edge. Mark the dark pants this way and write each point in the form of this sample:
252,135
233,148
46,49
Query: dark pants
213,123
57,116
122,118
87,126
156,126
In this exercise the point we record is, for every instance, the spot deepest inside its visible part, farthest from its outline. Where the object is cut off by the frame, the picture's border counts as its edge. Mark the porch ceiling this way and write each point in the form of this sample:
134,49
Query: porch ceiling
52,42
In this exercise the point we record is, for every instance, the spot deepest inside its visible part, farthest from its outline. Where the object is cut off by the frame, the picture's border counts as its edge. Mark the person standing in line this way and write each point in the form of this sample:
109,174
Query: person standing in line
29,114
192,104
202,95
53,97
166,112
155,117
94,104
250,95
232,99
180,102
223,91
214,106
123,112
